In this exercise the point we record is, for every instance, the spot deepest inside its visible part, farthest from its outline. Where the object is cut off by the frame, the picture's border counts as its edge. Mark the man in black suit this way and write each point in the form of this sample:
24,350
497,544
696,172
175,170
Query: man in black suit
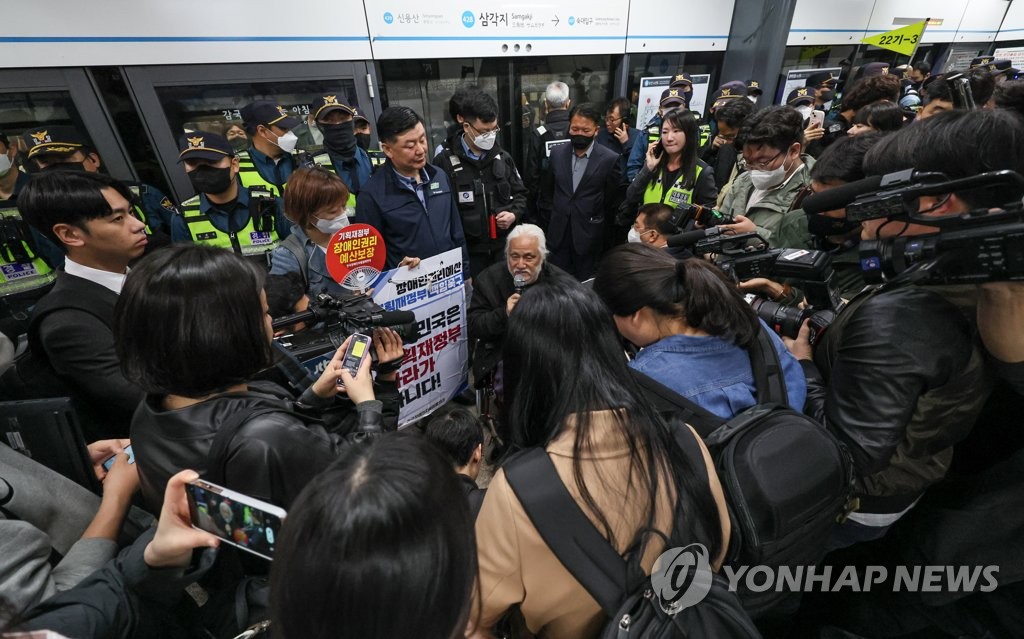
587,192
71,341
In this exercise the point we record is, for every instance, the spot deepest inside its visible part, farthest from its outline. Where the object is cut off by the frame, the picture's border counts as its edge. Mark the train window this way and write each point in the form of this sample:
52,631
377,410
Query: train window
24,110
217,107
644,65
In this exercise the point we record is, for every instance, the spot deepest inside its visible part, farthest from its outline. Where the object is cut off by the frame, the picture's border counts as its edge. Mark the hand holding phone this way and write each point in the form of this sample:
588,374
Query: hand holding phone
816,117
358,350
242,521
109,463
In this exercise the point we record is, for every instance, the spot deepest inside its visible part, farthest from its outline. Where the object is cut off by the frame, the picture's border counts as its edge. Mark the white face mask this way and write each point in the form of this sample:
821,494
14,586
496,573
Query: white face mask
485,141
287,142
330,227
5,165
804,110
764,180
752,98
633,236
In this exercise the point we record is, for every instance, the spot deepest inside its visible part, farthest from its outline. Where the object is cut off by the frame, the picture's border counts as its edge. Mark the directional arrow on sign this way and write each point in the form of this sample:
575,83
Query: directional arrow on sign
556,20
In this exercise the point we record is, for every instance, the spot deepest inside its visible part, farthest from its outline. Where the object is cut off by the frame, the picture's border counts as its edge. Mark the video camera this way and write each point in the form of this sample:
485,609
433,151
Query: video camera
704,216
982,245
333,319
745,256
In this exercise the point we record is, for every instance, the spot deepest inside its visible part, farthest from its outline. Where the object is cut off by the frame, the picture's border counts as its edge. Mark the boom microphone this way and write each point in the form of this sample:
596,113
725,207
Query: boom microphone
838,197
392,318
690,238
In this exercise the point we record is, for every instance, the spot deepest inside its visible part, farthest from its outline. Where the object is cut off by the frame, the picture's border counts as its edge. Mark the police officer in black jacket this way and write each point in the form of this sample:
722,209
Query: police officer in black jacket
488,190
543,139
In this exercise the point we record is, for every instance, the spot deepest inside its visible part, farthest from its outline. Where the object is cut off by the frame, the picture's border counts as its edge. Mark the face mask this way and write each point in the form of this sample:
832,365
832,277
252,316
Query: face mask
804,110
485,141
340,138
363,140
826,95
210,179
752,98
764,180
633,236
64,166
825,226
5,165
580,142
287,142
330,227
240,144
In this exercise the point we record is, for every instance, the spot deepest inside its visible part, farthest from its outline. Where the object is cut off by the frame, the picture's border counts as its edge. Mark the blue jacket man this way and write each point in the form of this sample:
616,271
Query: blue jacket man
409,201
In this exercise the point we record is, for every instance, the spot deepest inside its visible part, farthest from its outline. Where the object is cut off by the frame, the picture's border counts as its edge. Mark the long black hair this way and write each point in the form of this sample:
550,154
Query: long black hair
632,276
379,545
686,122
562,361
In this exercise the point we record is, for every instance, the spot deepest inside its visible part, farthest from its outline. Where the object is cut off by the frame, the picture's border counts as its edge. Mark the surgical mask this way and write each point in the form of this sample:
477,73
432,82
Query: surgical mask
633,236
485,141
804,110
210,179
64,166
5,165
752,98
340,138
580,142
287,142
330,227
363,140
765,180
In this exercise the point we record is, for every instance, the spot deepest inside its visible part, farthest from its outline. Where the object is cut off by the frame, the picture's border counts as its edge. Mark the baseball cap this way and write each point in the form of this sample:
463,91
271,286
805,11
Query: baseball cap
672,98
872,69
59,140
202,145
268,113
327,103
681,80
721,96
754,87
803,95
736,87
817,79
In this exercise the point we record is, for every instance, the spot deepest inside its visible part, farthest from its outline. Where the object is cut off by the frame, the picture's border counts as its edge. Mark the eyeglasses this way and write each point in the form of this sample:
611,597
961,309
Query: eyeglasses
761,166
488,132
611,118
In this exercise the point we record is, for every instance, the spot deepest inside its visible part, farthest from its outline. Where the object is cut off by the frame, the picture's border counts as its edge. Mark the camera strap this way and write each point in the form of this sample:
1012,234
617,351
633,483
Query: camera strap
768,376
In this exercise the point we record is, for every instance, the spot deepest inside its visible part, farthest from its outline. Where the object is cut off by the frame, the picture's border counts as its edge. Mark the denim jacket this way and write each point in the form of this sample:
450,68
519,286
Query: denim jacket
714,372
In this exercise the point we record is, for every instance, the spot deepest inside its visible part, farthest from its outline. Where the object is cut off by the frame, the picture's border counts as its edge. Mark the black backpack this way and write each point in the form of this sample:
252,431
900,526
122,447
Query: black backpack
787,479
619,586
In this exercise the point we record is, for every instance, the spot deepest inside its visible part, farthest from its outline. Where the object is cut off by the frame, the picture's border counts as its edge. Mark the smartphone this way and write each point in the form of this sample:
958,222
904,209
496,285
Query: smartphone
109,463
242,521
358,350
817,117
658,149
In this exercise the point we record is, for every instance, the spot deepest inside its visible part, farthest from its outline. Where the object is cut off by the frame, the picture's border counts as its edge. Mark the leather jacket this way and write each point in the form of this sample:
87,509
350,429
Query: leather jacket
901,381
272,457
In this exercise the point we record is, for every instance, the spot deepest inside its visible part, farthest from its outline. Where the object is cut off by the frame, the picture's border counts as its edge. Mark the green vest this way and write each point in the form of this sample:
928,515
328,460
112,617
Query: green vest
377,157
21,269
675,196
139,211
249,241
323,160
250,176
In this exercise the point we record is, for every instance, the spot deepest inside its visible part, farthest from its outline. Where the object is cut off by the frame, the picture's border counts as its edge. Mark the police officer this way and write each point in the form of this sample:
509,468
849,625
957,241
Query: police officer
824,84
269,162
490,195
343,156
363,139
246,219
63,147
26,272
542,139
754,90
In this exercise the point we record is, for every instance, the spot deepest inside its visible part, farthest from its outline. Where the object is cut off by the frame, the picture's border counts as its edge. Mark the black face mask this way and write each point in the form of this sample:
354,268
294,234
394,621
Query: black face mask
824,226
64,166
340,138
240,144
826,95
210,179
363,140
580,142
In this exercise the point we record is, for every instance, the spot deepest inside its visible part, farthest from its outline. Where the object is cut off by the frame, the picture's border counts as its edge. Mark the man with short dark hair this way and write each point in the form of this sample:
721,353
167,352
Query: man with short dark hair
919,72
585,196
617,133
459,435
410,201
720,153
71,342
269,161
490,194
654,226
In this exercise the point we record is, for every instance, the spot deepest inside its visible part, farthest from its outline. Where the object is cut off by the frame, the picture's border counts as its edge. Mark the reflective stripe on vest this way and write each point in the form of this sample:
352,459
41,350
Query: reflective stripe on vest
247,241
705,134
324,161
139,211
675,196
20,270
377,157
250,176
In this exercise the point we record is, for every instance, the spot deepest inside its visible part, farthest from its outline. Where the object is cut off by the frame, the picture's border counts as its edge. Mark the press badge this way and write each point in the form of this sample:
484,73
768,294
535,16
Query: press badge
260,238
466,197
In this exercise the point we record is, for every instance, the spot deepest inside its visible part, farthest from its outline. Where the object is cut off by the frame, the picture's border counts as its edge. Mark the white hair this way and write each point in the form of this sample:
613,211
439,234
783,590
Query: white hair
528,230
557,95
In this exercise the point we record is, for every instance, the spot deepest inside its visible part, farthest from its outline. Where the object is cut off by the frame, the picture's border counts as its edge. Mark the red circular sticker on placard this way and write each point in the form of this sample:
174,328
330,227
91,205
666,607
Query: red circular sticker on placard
355,256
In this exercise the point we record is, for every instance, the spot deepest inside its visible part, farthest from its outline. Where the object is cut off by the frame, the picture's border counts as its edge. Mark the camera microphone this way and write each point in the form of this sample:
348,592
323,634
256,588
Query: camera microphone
392,318
690,238
838,197
520,283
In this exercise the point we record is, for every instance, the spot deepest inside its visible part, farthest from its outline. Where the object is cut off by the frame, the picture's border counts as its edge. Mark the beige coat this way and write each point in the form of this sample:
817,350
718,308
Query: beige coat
517,567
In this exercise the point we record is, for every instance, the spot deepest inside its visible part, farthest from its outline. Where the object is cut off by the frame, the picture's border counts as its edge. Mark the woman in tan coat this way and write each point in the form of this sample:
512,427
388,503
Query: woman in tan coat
571,392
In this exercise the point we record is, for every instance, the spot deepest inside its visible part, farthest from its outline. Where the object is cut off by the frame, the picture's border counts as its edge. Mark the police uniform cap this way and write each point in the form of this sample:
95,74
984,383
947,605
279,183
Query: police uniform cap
327,103
817,79
872,69
267,113
754,87
803,95
999,66
681,80
58,140
721,96
358,115
203,145
736,88
902,71
982,61
672,97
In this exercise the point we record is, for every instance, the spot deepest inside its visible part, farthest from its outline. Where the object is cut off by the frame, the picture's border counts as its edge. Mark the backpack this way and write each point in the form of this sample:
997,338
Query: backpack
782,512
619,586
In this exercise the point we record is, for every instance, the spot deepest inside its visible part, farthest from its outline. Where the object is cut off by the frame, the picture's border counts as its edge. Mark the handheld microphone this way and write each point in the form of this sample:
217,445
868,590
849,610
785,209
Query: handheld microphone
520,283
840,196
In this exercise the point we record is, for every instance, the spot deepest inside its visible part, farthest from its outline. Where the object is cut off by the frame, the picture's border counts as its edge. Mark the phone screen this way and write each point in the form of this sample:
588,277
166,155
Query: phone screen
241,521
358,349
109,463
